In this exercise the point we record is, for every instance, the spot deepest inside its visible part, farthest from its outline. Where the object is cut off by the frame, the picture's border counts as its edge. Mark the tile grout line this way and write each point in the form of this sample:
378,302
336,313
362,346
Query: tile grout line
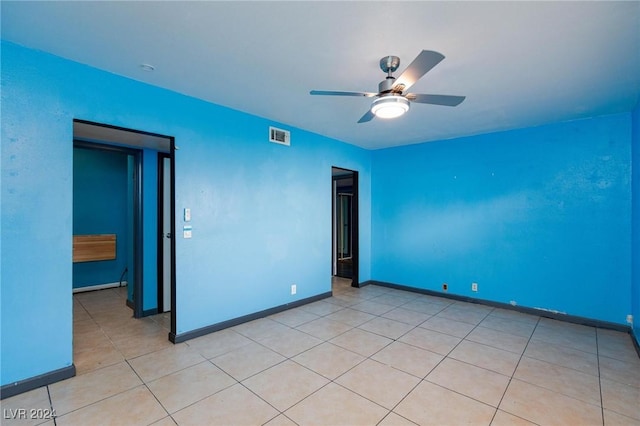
103,331
124,359
303,366
423,379
538,325
323,341
197,401
514,372
330,381
309,369
443,358
599,377
53,410
259,343
150,391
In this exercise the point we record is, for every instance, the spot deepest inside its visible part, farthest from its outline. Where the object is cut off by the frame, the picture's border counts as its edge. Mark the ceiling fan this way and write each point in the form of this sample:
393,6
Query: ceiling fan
391,100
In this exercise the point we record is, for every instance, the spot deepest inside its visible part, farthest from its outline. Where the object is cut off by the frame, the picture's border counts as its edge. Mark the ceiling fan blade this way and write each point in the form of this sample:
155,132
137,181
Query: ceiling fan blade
426,60
336,93
368,116
445,100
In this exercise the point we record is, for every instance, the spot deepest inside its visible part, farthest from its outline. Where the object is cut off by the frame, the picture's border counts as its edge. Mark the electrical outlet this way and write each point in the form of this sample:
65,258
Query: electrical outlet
474,286
445,286
294,289
630,319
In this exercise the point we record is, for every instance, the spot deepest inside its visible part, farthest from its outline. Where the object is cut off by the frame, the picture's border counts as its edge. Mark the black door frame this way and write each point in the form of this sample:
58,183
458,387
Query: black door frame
355,224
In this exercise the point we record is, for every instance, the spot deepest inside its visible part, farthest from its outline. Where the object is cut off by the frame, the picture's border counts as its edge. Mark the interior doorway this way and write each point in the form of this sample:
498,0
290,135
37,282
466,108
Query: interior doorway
344,196
151,161
107,241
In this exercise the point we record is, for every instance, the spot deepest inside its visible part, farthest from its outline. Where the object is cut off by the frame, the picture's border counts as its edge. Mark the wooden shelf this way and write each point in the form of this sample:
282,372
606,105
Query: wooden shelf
91,248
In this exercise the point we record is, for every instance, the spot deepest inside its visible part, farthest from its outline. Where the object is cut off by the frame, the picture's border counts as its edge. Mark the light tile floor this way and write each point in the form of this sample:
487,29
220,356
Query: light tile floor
362,357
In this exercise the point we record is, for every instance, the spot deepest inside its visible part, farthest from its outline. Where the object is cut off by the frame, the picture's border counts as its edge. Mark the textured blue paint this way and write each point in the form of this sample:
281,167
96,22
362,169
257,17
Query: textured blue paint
539,216
100,207
261,212
36,214
635,294
261,218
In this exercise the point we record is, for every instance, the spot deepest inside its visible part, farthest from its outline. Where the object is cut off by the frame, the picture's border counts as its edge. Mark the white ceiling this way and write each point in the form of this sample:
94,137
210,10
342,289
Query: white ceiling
519,64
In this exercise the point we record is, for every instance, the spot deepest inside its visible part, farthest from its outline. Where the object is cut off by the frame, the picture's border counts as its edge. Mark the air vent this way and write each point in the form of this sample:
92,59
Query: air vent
279,136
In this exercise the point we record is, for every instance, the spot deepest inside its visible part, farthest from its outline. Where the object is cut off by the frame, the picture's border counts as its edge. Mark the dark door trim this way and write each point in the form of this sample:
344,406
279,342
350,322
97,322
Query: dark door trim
172,202
355,233
172,156
161,157
355,224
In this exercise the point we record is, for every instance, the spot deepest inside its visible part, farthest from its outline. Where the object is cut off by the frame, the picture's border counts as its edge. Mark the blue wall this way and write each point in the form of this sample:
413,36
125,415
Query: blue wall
635,295
37,172
100,206
261,212
261,217
540,216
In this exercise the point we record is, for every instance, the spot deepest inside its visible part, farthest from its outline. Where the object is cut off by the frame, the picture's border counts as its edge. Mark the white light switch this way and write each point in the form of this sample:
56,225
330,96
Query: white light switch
186,231
187,215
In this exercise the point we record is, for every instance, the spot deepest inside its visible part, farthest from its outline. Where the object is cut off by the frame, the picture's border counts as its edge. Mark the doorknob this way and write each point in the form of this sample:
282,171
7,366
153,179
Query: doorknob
168,235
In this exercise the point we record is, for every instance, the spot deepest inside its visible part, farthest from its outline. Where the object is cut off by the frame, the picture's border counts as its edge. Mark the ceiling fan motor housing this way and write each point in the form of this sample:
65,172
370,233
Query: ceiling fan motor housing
389,64
386,85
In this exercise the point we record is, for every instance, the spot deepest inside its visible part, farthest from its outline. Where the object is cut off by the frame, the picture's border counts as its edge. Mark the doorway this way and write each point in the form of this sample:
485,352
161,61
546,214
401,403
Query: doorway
151,158
344,198
107,203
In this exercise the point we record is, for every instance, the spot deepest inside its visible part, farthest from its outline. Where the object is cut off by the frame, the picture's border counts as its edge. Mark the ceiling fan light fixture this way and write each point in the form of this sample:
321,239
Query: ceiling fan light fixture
391,106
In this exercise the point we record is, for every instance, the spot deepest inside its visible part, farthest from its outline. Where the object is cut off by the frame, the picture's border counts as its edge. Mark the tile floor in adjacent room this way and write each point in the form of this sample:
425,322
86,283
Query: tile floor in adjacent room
369,356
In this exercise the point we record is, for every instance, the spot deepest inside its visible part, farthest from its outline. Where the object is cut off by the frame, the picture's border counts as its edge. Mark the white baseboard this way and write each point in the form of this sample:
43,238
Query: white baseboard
99,287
